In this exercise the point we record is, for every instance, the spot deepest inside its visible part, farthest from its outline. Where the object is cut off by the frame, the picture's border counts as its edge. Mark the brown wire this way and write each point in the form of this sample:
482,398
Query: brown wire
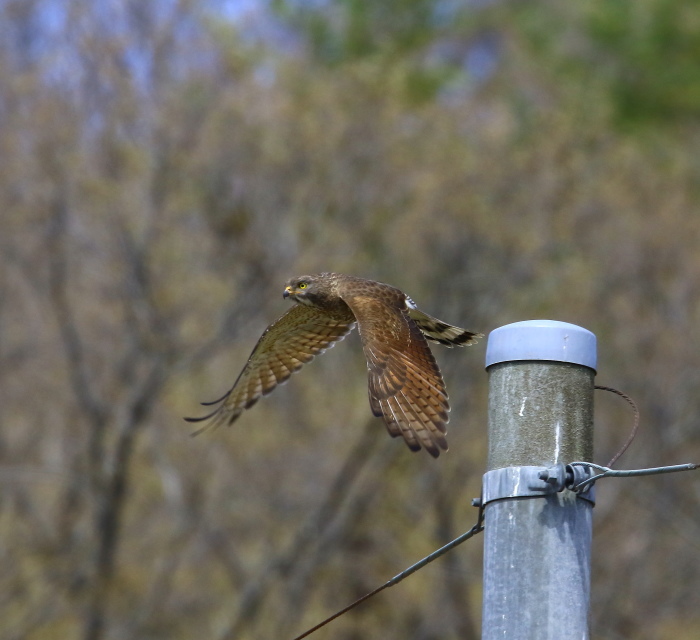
635,426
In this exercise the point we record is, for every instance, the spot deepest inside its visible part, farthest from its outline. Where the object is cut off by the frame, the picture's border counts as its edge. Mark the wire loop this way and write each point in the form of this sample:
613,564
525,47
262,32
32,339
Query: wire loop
607,472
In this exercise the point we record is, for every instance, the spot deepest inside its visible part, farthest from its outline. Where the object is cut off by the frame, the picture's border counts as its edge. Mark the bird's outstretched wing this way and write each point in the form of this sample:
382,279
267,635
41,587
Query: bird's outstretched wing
405,384
285,346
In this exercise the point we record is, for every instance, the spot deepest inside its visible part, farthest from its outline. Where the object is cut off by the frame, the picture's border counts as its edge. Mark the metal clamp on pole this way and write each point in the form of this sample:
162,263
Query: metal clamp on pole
580,476
532,482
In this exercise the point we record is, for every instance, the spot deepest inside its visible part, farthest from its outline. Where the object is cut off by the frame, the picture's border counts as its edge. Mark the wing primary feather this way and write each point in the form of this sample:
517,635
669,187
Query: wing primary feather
390,420
424,434
209,415
409,435
221,399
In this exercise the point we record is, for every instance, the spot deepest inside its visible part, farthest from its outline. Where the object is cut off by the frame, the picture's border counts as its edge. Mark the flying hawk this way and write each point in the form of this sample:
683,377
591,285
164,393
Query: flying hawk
406,388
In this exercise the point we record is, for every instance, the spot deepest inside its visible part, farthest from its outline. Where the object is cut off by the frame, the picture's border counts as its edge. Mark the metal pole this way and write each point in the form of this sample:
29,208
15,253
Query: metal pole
537,549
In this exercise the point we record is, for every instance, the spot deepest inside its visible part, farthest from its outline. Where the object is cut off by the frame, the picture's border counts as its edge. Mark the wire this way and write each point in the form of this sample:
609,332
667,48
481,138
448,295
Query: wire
606,472
635,425
477,528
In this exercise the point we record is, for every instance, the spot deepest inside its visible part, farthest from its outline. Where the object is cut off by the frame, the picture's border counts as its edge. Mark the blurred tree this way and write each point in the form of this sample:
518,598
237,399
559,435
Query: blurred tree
438,44
644,55
345,30
653,52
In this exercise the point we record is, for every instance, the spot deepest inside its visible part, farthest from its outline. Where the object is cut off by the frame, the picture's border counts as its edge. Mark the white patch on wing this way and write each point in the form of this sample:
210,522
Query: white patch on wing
410,304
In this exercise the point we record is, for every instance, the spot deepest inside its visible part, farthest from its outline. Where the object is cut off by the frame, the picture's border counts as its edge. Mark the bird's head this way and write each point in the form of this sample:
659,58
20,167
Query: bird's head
305,290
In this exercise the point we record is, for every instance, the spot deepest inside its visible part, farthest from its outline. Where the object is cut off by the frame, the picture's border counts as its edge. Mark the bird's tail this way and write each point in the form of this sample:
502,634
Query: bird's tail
438,331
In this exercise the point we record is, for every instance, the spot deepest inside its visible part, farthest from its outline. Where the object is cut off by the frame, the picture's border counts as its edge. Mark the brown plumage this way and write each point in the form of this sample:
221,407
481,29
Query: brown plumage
405,384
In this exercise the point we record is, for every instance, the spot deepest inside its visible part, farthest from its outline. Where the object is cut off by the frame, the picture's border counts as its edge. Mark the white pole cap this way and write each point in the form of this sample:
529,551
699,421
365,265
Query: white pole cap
542,340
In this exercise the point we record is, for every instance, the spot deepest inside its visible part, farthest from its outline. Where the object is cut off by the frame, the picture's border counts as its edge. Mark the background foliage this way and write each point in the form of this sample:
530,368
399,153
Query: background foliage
166,166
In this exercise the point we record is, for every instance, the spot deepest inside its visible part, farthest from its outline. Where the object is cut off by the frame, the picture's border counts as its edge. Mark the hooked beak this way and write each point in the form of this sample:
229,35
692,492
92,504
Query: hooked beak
287,292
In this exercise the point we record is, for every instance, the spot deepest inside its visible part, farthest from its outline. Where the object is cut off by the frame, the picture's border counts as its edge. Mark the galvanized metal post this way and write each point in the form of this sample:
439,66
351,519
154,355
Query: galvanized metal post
537,549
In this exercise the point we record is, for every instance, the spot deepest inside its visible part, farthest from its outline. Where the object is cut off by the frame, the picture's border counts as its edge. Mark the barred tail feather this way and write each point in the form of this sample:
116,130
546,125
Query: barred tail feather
438,331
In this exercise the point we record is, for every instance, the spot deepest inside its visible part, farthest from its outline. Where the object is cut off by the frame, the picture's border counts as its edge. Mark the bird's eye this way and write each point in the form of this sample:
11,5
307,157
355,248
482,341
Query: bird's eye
302,285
